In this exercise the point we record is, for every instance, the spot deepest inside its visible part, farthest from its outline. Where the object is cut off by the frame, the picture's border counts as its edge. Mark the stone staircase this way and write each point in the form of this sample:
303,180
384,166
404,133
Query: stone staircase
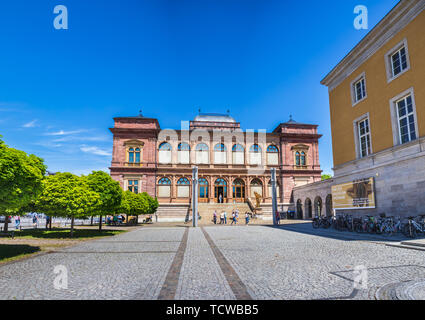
207,209
172,212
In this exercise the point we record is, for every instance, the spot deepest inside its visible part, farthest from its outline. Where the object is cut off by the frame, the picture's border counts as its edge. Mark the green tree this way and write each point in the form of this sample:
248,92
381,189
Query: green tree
109,190
326,177
138,204
67,195
21,177
153,203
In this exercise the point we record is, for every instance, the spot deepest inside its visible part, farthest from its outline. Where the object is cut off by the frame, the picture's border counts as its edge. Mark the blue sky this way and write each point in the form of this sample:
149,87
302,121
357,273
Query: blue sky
262,59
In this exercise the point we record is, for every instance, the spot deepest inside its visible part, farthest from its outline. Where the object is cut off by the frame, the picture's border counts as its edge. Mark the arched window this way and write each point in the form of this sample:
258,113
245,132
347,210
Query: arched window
165,147
164,182
164,188
272,155
183,147
203,188
277,189
238,154
183,153
183,188
256,187
164,151
239,190
134,155
220,154
255,154
202,154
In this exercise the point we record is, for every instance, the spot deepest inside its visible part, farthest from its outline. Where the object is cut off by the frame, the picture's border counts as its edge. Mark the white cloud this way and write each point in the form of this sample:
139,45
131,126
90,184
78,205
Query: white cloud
30,124
95,150
64,133
74,138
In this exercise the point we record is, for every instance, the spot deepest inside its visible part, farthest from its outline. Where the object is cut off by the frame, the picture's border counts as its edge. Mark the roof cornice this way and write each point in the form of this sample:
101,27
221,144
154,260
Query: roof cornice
398,18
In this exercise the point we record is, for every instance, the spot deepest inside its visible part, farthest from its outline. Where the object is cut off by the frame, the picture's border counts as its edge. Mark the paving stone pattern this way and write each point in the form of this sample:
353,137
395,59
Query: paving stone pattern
220,262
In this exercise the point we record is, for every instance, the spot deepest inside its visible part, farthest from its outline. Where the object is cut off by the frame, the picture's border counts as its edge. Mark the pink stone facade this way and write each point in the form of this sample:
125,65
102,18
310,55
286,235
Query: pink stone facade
239,179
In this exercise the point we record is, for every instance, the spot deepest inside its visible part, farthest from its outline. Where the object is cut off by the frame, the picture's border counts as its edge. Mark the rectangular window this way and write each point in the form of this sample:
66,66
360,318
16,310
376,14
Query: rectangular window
220,157
399,61
359,90
133,186
406,119
364,138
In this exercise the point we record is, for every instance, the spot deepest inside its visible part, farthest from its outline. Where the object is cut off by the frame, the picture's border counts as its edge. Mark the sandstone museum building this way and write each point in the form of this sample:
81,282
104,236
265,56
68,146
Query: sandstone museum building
234,165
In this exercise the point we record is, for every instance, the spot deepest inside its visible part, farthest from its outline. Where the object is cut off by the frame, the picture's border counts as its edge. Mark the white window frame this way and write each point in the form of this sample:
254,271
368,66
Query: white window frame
389,61
354,100
395,119
357,137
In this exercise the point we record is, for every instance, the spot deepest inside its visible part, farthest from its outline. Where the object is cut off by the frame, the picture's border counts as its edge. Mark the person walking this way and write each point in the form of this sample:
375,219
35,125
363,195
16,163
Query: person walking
222,218
233,218
215,217
246,218
34,219
225,217
17,222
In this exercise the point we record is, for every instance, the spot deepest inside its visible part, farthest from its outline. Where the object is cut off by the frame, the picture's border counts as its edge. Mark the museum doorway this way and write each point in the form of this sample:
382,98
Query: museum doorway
220,191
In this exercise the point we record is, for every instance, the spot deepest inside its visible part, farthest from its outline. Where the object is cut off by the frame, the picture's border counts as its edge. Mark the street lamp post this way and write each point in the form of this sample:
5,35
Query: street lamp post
195,196
274,195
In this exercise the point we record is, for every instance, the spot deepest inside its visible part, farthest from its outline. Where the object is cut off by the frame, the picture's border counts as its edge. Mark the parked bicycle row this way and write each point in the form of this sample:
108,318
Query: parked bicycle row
411,227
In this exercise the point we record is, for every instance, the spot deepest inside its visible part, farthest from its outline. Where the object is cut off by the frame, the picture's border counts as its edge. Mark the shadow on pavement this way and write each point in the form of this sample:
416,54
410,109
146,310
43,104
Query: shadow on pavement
307,228
13,250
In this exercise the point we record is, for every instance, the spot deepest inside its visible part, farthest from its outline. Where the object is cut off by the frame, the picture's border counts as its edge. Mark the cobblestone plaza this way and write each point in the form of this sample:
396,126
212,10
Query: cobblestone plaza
221,263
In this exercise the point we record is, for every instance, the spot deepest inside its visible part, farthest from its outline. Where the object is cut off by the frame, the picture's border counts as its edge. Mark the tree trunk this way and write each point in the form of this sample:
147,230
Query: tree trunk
47,223
50,224
72,226
6,224
100,223
91,222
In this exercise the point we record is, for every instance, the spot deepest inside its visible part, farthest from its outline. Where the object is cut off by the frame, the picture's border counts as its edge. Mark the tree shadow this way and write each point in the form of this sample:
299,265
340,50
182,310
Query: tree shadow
307,228
61,233
8,251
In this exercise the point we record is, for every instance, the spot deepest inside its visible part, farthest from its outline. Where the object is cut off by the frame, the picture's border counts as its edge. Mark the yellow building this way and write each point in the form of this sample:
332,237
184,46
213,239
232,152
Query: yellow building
377,109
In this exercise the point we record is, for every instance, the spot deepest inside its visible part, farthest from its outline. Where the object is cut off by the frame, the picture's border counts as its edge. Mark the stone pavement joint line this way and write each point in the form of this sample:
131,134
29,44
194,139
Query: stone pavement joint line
169,288
238,287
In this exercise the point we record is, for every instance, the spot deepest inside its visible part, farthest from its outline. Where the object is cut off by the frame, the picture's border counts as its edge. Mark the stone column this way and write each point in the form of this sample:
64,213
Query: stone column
230,189
211,189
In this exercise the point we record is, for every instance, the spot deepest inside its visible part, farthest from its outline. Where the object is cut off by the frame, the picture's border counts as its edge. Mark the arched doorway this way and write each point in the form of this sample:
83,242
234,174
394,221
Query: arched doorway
239,190
220,190
308,209
329,206
299,209
318,206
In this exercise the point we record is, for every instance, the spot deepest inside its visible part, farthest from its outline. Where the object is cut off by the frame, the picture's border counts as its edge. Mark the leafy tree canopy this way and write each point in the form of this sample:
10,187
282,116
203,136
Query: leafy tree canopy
21,177
138,204
109,190
326,177
65,194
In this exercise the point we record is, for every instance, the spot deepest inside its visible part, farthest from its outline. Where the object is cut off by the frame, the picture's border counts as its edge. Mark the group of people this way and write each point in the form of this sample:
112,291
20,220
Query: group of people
115,220
234,219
